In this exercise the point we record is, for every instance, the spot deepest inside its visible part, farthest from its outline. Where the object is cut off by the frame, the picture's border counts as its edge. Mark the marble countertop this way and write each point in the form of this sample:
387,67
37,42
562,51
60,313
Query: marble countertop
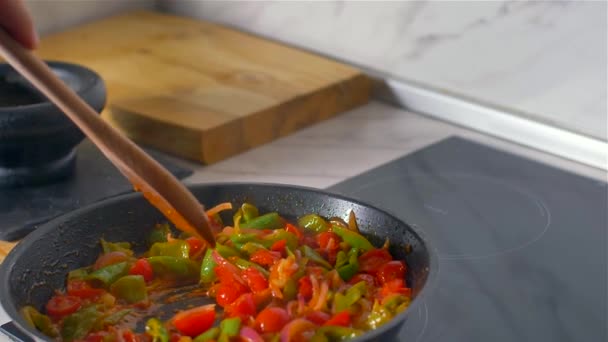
347,145
351,143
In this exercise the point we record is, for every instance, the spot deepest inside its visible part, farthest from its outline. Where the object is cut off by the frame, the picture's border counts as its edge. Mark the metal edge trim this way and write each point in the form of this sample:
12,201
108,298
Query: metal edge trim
498,123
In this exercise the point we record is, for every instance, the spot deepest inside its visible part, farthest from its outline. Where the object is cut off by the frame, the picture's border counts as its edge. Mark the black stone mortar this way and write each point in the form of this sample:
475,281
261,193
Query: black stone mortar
37,140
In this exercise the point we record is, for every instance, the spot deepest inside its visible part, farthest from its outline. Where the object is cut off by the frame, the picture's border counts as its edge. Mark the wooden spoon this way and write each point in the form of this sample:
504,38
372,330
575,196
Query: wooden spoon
157,184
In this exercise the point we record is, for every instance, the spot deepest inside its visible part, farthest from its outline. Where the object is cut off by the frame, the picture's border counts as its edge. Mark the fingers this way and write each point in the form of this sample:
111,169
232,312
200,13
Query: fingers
16,20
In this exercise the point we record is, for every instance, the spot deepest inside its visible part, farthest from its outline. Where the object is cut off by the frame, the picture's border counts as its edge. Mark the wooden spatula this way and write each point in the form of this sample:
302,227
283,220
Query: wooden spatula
157,184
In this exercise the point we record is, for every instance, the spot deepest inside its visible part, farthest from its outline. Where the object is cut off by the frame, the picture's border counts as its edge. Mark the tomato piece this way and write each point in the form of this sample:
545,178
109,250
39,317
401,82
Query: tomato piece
195,244
227,294
129,336
305,287
99,336
143,268
195,321
255,279
369,279
325,240
371,261
279,246
82,289
318,317
271,320
62,305
294,230
110,258
341,319
395,286
226,272
244,307
262,298
390,271
264,257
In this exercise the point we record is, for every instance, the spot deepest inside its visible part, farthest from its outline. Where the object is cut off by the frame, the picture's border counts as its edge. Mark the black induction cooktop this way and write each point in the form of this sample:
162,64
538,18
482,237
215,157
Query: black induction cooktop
522,246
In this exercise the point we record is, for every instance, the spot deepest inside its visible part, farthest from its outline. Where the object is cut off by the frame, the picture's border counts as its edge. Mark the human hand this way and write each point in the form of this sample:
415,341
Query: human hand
16,20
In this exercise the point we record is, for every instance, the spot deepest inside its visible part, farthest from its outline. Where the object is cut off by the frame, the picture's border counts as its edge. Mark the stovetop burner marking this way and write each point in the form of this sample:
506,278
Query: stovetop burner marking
449,187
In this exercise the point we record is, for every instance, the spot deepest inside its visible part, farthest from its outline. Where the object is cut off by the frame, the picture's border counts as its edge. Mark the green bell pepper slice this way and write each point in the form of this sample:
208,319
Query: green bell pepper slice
229,327
348,269
167,267
334,333
351,296
396,303
341,259
249,212
131,288
175,248
277,235
252,247
159,234
315,257
157,330
105,276
80,273
354,239
108,247
208,267
80,323
208,335
240,239
290,290
267,221
227,251
313,223
39,321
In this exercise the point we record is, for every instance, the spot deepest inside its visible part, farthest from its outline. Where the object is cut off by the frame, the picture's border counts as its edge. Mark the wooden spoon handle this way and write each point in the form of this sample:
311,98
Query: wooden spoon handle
159,186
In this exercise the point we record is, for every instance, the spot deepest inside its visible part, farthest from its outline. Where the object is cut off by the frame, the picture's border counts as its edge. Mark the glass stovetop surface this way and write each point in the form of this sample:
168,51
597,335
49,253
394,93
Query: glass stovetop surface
522,247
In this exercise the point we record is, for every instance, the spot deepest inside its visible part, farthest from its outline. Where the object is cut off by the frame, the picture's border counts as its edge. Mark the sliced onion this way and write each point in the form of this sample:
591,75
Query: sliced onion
295,328
218,208
247,334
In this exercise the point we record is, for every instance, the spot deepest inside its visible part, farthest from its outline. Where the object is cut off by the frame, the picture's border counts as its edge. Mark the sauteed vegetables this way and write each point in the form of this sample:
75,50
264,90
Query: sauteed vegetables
317,279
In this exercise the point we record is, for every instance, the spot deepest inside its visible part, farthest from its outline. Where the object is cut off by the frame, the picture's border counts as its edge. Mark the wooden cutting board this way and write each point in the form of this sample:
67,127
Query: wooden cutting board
203,91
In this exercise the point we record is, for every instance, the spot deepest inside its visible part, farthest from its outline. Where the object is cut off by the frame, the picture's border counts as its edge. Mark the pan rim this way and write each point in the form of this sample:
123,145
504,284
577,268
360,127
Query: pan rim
48,227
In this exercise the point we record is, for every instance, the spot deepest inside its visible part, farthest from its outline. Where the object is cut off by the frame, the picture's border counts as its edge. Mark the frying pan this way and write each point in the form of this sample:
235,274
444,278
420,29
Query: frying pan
40,263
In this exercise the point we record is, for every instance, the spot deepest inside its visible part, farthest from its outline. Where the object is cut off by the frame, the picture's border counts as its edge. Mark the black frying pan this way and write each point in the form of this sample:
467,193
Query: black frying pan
40,263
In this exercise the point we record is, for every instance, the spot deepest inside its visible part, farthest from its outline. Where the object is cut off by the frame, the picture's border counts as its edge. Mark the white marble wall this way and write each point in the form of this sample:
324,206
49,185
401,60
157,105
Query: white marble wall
545,59
56,15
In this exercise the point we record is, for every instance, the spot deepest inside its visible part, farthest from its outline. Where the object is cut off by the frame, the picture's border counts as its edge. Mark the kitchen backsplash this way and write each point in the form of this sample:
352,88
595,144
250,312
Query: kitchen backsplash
542,59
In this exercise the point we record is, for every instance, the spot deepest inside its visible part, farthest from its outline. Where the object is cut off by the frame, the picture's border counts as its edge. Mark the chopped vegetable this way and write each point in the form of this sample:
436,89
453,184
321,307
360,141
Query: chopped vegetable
131,288
313,223
80,323
39,321
267,221
156,330
354,239
175,248
173,268
109,274
319,280
195,321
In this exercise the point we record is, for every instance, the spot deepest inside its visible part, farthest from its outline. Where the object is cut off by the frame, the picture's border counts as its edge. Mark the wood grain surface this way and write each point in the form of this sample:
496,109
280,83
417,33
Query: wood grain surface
5,248
203,91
